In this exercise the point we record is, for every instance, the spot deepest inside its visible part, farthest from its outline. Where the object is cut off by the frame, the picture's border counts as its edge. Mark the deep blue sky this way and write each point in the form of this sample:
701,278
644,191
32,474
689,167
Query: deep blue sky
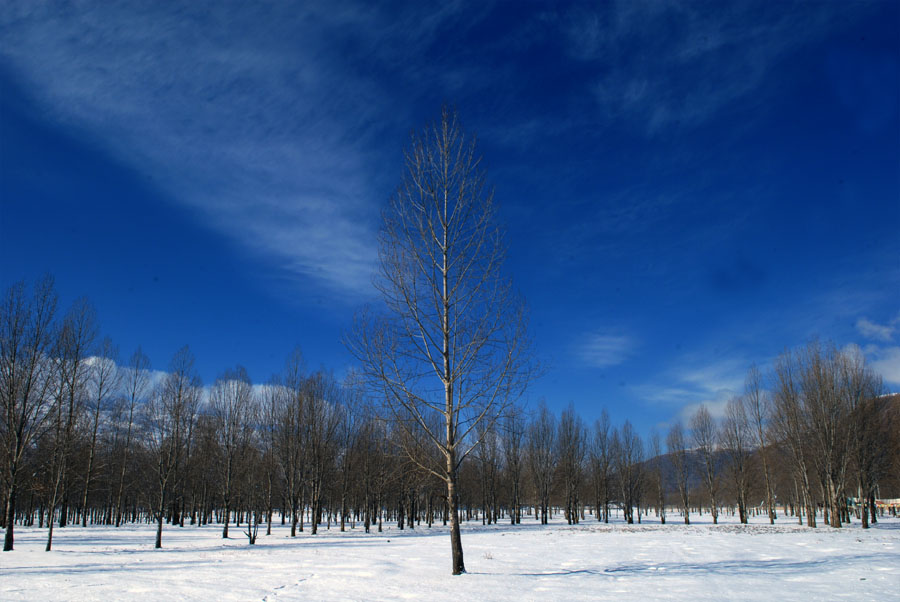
687,188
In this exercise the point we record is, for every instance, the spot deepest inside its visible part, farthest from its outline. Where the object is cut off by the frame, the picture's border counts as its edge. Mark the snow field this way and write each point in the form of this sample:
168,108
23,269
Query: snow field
590,561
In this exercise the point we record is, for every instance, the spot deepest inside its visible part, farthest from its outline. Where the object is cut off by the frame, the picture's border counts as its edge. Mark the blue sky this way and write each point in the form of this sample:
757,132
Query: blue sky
687,188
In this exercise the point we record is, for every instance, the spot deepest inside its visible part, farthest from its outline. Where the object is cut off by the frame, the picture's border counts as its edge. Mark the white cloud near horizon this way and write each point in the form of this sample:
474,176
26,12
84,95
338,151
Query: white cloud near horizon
690,385
883,357
886,362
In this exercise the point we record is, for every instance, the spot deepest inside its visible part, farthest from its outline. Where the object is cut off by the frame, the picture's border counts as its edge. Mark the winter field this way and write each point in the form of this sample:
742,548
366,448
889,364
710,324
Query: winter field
589,561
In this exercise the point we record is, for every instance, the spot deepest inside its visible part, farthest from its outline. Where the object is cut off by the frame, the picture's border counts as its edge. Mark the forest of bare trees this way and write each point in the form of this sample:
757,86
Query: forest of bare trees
91,439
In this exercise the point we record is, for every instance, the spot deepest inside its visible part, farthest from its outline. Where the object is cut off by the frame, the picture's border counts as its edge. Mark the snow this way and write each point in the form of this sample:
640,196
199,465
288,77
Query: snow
589,561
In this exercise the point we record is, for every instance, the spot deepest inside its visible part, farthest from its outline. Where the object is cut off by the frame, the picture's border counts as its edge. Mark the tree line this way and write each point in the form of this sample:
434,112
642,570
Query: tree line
90,438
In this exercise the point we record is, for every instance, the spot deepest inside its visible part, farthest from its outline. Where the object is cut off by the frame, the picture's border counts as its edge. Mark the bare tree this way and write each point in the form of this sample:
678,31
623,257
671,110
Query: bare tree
600,465
453,342
170,416
348,437
253,490
76,336
322,422
656,450
678,452
290,428
570,441
792,425
513,449
247,461
758,406
541,444
627,452
26,381
826,404
488,456
872,427
136,379
270,407
231,404
372,440
706,437
104,379
736,439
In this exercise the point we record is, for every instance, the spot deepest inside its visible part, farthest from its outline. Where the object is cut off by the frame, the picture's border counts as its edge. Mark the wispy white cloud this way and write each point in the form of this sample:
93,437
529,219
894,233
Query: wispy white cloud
682,63
721,376
602,350
873,330
693,383
716,408
253,117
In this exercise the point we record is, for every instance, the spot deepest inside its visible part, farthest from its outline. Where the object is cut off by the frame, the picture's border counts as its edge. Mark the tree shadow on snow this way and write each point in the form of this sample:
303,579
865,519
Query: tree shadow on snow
723,567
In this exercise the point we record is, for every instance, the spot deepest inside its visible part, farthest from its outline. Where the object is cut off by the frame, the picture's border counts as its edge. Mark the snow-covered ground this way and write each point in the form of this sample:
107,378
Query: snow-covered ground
557,562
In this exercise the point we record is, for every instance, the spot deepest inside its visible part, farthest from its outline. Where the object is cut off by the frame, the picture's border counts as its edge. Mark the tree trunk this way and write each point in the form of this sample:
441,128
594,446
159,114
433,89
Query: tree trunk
159,527
459,566
49,545
121,488
269,505
314,510
770,501
227,516
836,507
90,467
865,515
10,517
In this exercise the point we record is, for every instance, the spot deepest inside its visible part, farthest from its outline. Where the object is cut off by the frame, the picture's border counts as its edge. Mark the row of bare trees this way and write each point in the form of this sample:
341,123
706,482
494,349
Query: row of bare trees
743,462
88,438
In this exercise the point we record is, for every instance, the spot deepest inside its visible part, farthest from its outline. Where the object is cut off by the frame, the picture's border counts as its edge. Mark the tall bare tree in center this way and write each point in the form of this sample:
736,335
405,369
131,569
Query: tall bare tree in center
452,344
